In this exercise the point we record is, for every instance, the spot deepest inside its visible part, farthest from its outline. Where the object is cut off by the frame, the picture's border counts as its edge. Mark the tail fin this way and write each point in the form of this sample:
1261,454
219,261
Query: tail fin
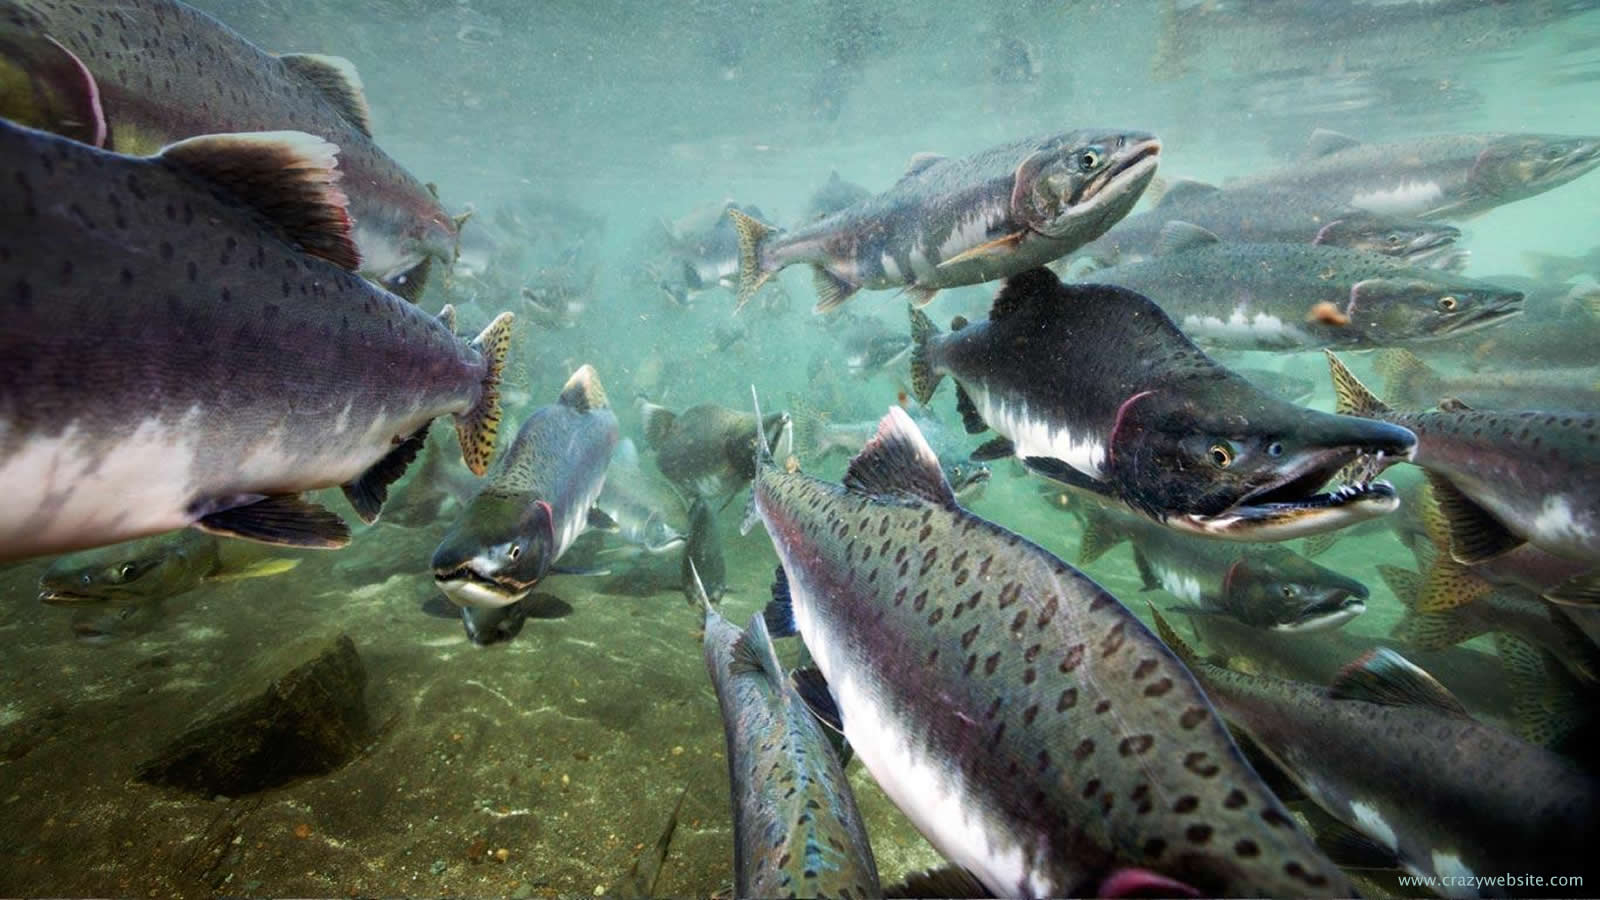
810,425
657,421
1420,630
1404,374
924,381
752,234
1351,397
477,427
1317,544
1099,535
1544,708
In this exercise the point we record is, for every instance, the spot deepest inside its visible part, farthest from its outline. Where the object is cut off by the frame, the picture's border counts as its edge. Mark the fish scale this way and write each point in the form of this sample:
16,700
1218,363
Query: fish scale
1024,720
797,831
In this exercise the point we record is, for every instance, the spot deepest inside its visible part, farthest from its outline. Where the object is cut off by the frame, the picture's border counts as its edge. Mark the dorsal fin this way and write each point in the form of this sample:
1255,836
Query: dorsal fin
289,177
582,391
447,317
1178,237
753,653
898,460
1350,396
918,163
1022,289
1454,404
1182,190
1385,677
337,79
1324,141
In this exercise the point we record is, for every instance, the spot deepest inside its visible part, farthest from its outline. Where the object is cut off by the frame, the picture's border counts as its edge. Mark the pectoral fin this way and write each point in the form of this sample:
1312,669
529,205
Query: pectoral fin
284,519
998,248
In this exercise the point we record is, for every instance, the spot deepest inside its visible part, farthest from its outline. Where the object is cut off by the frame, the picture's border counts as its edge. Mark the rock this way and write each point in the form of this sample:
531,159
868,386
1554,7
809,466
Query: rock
297,711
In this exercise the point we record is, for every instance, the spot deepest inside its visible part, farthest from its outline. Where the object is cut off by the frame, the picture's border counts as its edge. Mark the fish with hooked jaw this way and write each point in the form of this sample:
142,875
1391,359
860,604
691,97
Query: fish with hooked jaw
1095,387
952,222
537,500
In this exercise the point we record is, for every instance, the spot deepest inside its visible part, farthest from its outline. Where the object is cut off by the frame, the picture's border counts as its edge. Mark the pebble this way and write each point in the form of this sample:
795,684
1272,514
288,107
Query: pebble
678,750
523,891
599,890
438,867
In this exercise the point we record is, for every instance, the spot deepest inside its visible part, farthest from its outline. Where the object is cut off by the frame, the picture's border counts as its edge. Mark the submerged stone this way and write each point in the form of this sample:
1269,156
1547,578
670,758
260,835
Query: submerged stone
298,711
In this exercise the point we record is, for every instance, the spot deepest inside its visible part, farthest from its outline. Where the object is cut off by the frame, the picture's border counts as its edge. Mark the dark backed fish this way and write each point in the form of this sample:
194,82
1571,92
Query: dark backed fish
185,344
1503,479
535,503
707,449
1368,751
1095,387
155,568
1025,721
951,222
796,829
135,75
702,553
1264,586
1305,297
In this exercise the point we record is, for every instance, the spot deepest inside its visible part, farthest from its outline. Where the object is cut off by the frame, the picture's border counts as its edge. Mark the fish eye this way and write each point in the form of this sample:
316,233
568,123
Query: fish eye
125,570
955,471
514,552
1394,237
1448,303
1554,153
1275,449
1221,455
1287,591
1089,160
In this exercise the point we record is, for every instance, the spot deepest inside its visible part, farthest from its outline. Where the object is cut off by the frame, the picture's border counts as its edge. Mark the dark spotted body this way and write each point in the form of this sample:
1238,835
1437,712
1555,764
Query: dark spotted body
168,352
1023,719
797,832
166,71
1449,795
1536,473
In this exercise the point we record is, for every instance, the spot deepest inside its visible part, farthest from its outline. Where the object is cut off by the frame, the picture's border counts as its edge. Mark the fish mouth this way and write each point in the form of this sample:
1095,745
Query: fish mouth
1293,506
60,597
972,484
1136,167
1326,614
466,586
